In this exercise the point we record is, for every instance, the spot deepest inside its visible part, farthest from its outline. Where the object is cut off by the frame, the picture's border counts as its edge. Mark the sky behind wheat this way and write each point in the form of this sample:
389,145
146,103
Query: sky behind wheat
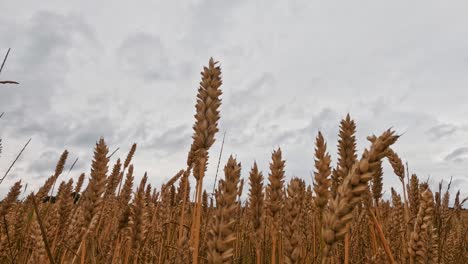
130,72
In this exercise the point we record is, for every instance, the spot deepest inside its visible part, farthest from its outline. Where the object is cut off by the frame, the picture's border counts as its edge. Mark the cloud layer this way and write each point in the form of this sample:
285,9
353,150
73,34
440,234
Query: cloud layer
290,69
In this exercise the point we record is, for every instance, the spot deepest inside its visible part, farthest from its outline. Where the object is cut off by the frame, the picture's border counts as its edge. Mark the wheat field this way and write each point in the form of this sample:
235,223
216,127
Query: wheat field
341,218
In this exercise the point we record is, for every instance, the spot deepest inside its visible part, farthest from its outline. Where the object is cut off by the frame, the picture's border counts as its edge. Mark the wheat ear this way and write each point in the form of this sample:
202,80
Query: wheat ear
222,235
349,194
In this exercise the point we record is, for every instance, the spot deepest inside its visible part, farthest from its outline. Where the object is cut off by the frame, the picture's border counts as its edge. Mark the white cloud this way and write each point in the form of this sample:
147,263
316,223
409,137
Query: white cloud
289,70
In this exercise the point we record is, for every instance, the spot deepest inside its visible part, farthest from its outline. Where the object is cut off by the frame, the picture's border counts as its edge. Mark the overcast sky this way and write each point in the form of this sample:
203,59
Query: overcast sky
129,72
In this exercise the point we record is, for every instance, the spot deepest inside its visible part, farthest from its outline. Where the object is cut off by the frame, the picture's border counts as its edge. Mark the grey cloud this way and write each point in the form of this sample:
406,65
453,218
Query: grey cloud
43,49
441,131
45,164
459,183
326,121
56,130
144,55
88,132
50,35
242,114
53,130
457,155
254,91
286,137
39,59
209,21
170,141
17,174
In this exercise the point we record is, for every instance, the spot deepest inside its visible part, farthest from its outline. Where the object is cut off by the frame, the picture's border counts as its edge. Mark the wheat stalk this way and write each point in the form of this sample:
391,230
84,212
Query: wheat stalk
274,198
221,235
256,207
349,193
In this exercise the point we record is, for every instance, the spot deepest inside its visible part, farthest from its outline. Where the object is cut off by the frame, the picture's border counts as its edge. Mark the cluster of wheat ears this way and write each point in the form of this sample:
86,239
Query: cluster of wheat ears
341,218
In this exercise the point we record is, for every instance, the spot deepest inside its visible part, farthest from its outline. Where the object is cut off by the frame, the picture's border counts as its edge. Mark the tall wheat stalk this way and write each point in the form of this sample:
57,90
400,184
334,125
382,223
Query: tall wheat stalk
205,129
275,199
221,235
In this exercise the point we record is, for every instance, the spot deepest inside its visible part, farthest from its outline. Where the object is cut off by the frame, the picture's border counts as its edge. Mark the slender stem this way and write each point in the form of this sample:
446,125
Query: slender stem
405,200
374,240
83,252
382,238
314,229
273,251
4,60
71,167
258,255
44,238
196,230
280,249
112,154
219,161
13,163
346,248
184,200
